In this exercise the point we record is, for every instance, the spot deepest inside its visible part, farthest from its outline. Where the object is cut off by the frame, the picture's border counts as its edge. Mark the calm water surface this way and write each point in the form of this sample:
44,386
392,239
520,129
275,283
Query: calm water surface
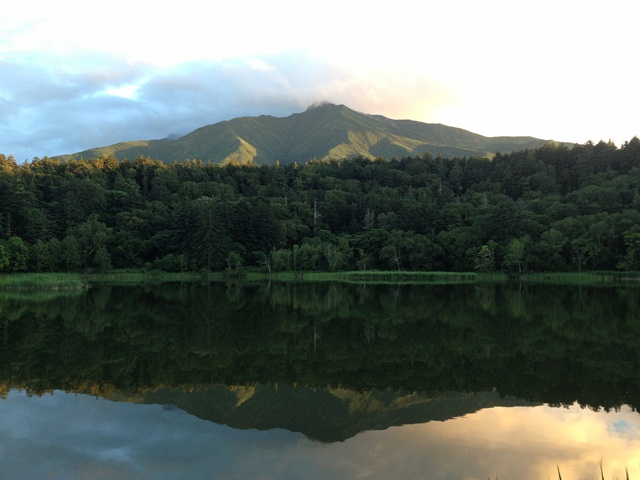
321,381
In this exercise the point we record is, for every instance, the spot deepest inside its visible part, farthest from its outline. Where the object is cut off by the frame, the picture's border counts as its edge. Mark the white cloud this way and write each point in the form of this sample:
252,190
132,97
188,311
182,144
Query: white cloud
544,69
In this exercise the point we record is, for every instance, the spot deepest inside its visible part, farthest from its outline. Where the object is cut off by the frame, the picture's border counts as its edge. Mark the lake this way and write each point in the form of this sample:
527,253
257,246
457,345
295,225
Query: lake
321,381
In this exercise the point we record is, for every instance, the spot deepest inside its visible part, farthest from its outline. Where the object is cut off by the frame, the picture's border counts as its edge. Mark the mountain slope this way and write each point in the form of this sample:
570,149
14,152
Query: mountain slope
327,415
323,132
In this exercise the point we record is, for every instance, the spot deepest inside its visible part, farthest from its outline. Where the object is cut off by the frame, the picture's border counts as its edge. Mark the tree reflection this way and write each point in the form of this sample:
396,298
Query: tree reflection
545,344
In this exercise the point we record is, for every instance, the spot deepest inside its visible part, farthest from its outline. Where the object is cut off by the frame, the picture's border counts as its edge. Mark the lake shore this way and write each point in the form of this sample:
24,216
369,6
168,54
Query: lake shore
80,281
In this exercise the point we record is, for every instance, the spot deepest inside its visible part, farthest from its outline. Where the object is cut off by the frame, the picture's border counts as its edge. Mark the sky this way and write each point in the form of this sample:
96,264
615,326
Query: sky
75,76
65,436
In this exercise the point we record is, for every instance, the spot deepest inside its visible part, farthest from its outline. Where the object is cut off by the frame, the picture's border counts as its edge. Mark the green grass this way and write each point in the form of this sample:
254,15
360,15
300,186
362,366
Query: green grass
43,281
78,281
75,281
582,278
149,277
380,277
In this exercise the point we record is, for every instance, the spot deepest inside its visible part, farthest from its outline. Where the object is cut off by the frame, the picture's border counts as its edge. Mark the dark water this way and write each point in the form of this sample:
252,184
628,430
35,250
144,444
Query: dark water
321,381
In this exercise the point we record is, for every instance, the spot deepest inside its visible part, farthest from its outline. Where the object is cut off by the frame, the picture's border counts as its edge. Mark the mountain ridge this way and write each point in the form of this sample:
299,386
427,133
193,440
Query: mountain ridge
322,414
323,132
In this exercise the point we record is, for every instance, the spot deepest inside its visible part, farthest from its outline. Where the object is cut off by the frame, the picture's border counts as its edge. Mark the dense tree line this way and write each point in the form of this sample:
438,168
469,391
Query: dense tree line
549,209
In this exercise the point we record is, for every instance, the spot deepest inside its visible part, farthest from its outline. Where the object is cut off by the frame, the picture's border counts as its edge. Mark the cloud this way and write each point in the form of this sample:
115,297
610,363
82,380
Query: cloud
50,110
134,71
47,109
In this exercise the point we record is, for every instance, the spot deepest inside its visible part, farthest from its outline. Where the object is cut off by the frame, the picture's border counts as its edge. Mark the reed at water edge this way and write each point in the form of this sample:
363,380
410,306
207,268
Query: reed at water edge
601,473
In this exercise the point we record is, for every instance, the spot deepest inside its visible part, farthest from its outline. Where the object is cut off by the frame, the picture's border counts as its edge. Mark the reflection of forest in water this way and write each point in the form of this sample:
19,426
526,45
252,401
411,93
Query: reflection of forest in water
549,344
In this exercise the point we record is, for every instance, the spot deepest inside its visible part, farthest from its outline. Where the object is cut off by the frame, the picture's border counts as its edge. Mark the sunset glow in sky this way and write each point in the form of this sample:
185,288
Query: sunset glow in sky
75,75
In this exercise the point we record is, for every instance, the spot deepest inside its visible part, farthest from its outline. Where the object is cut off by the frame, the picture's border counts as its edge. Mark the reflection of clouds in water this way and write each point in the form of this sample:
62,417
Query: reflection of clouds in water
527,443
624,429
74,436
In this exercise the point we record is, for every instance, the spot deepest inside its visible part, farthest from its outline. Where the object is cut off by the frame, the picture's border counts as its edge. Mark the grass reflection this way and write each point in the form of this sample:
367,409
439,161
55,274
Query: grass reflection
601,473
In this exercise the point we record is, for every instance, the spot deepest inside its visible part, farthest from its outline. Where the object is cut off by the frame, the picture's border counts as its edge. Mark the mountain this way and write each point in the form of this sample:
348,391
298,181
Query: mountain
323,131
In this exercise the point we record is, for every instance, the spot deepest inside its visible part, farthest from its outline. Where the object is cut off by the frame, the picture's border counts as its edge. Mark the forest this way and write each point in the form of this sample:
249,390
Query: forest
551,209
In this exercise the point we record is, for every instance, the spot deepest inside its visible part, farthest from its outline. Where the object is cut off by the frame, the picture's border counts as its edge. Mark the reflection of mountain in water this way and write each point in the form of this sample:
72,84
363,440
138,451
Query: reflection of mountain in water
328,415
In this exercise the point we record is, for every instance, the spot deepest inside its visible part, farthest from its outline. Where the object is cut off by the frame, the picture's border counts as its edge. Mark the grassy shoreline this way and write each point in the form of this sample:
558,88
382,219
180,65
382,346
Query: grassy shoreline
380,277
83,281
80,281
583,278
42,281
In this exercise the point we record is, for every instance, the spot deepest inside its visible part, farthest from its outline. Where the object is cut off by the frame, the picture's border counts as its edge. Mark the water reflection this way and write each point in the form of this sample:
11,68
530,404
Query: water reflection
66,436
364,360
528,443
557,345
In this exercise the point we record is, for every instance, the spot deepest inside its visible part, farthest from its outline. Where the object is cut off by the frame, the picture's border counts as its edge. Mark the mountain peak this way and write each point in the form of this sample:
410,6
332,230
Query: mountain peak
323,105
